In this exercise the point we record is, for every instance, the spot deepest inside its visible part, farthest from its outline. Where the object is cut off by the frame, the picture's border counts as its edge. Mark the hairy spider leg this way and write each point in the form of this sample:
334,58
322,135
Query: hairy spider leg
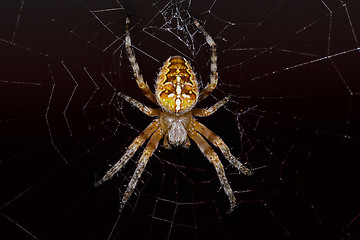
205,112
214,159
151,112
138,141
135,66
213,66
218,142
148,151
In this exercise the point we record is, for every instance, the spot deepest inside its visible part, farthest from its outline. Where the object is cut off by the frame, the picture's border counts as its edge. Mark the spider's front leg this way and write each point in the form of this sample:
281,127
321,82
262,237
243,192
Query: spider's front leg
213,67
135,66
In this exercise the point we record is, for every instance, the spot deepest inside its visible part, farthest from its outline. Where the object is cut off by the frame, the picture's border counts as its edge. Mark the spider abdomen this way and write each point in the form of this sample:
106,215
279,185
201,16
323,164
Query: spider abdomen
176,86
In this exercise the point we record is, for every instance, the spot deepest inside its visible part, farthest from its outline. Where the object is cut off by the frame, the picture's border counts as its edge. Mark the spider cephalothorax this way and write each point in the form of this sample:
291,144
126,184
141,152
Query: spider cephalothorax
176,92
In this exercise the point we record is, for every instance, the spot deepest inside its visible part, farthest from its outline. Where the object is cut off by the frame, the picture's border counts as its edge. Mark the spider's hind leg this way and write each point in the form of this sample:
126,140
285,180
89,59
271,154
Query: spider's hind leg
138,141
214,159
148,151
218,142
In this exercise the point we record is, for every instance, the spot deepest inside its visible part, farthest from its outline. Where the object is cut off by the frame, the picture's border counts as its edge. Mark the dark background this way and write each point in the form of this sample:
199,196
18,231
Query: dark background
292,68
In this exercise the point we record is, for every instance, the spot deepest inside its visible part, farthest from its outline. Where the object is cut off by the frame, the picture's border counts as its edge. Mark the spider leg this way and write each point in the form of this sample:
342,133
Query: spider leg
200,112
138,141
213,68
218,142
214,159
149,150
135,66
152,112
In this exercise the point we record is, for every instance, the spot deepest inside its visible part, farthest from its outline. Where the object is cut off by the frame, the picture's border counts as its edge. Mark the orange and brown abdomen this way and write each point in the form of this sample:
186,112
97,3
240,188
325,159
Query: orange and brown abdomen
176,86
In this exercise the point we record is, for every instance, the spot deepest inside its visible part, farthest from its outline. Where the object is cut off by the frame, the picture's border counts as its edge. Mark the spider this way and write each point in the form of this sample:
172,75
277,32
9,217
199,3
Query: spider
176,92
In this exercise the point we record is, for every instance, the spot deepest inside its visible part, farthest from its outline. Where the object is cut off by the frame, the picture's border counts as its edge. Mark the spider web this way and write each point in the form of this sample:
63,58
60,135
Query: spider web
292,68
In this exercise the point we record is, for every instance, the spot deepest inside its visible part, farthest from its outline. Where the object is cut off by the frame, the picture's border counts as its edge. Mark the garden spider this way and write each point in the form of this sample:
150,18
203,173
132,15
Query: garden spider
177,92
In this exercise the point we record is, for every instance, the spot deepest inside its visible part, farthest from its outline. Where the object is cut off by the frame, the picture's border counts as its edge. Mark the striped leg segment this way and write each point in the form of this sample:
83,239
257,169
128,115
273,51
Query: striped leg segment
213,68
135,66
149,150
138,141
214,159
152,112
201,112
218,142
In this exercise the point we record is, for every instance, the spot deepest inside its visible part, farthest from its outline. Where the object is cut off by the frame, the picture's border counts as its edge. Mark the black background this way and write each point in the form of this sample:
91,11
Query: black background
294,63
